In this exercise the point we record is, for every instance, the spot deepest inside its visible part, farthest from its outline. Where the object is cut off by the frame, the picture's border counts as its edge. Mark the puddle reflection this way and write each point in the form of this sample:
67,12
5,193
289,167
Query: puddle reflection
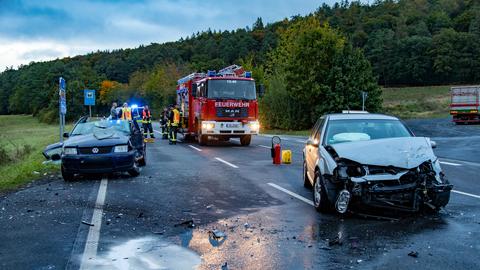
146,253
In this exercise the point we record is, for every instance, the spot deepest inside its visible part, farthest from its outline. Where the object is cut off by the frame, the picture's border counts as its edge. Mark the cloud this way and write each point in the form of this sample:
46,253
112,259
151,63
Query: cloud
48,29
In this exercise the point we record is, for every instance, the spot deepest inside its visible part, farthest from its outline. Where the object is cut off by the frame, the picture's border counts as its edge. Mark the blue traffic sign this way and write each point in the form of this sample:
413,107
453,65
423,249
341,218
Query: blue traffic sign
62,96
89,97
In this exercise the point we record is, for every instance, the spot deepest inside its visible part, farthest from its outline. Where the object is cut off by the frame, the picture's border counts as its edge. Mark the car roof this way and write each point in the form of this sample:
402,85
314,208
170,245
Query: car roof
373,116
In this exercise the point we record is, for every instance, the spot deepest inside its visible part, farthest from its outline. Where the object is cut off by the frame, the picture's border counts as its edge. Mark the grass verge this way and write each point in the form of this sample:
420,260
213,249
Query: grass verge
22,140
417,102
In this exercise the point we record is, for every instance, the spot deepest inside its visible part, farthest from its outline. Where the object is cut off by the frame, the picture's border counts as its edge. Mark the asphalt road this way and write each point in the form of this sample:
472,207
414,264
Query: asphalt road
167,217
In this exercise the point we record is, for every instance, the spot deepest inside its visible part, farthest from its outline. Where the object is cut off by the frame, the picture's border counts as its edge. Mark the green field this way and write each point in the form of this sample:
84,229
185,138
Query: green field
21,143
417,102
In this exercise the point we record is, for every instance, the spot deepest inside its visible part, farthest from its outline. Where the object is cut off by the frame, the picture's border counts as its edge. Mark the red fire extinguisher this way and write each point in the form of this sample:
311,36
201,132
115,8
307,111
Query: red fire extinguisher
276,150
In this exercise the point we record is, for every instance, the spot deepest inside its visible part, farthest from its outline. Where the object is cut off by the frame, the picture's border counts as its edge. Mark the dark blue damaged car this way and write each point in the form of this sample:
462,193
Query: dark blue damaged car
100,146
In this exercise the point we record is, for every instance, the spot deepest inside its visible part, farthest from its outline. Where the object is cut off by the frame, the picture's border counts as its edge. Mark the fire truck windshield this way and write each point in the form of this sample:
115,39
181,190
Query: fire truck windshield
231,89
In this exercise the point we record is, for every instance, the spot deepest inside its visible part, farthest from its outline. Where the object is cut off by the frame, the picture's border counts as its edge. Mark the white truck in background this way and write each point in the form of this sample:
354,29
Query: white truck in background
465,104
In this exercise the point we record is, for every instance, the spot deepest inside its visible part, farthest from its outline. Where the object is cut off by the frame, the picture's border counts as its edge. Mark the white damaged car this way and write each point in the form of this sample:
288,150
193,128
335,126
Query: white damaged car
354,160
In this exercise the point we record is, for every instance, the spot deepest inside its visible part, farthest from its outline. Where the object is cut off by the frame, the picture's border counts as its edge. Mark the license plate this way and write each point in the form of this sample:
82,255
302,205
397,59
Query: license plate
232,125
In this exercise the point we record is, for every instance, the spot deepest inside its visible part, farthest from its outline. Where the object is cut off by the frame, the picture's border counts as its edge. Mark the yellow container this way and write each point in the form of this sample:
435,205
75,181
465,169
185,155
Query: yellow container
286,156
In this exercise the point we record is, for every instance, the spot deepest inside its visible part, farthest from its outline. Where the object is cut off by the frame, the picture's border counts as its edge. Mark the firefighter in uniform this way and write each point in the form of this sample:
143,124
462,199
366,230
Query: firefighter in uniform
174,123
147,122
126,112
163,123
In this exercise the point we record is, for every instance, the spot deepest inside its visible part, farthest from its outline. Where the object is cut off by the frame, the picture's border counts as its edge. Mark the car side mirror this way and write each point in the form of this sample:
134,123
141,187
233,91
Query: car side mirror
194,90
433,144
313,142
55,157
66,134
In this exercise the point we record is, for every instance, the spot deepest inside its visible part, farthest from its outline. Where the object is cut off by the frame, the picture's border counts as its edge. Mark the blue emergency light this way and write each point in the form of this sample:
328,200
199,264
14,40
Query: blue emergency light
134,106
211,73
248,74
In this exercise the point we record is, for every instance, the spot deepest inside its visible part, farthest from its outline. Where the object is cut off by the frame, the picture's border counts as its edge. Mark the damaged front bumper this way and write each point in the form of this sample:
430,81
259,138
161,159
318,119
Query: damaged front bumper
396,189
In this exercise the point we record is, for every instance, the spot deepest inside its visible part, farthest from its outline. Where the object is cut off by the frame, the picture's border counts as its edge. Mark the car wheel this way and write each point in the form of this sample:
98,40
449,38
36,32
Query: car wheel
67,176
306,181
245,140
142,162
135,171
320,200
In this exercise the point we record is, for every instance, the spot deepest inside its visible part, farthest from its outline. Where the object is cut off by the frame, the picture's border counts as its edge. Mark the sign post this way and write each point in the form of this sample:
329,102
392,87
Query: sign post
62,105
364,97
89,99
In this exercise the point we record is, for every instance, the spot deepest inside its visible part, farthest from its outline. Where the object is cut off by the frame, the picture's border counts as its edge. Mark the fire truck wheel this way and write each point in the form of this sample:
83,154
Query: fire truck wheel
245,140
202,139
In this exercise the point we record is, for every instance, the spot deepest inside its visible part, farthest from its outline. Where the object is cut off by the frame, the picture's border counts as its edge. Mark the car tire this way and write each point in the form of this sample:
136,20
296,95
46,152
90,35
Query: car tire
245,140
306,181
320,199
135,171
67,176
143,162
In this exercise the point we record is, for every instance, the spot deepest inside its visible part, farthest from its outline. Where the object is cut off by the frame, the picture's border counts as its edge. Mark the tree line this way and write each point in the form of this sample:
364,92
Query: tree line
309,64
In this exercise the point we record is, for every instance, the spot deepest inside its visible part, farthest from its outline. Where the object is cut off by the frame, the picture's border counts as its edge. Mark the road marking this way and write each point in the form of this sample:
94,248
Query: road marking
264,146
158,132
466,194
450,163
91,245
226,162
295,195
463,162
196,148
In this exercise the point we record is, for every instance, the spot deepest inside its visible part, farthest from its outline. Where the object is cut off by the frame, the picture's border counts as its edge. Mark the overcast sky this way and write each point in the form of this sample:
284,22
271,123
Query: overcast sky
48,29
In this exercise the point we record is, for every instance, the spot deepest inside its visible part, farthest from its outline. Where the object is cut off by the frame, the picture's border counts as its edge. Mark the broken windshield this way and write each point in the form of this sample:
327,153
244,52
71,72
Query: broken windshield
350,130
93,127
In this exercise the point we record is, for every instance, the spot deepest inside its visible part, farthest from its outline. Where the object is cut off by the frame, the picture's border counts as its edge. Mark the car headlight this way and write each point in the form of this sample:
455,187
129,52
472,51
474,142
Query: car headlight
121,149
255,126
342,172
70,151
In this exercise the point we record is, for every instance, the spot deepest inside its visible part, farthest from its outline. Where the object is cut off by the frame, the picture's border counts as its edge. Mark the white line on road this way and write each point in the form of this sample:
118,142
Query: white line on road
196,148
158,131
450,163
91,245
295,195
466,194
226,162
264,146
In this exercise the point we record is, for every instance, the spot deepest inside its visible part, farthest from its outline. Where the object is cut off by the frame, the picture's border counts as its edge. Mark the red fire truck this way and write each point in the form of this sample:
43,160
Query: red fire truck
219,105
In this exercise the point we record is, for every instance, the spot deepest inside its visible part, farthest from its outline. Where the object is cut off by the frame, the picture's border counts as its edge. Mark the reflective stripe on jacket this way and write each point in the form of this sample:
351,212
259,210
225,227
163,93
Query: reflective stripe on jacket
126,114
176,116
146,116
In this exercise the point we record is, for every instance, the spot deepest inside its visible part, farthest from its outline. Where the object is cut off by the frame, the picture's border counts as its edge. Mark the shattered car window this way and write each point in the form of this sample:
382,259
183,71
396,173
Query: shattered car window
339,131
91,127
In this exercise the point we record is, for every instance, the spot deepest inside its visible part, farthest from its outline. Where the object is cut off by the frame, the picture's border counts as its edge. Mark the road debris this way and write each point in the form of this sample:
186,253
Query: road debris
217,234
87,223
336,241
413,254
188,223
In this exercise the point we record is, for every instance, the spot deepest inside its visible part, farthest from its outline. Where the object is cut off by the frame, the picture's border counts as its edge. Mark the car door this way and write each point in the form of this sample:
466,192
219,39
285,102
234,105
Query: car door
136,136
311,149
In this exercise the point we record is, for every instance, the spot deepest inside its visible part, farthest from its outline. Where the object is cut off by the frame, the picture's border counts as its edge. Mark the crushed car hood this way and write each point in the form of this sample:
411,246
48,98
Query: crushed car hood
96,140
405,152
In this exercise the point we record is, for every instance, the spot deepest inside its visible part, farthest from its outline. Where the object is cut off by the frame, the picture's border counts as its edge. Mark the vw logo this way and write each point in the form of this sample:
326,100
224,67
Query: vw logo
95,150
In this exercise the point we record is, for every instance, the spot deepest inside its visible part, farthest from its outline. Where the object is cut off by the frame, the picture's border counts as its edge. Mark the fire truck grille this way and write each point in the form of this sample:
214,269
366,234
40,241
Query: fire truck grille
232,112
